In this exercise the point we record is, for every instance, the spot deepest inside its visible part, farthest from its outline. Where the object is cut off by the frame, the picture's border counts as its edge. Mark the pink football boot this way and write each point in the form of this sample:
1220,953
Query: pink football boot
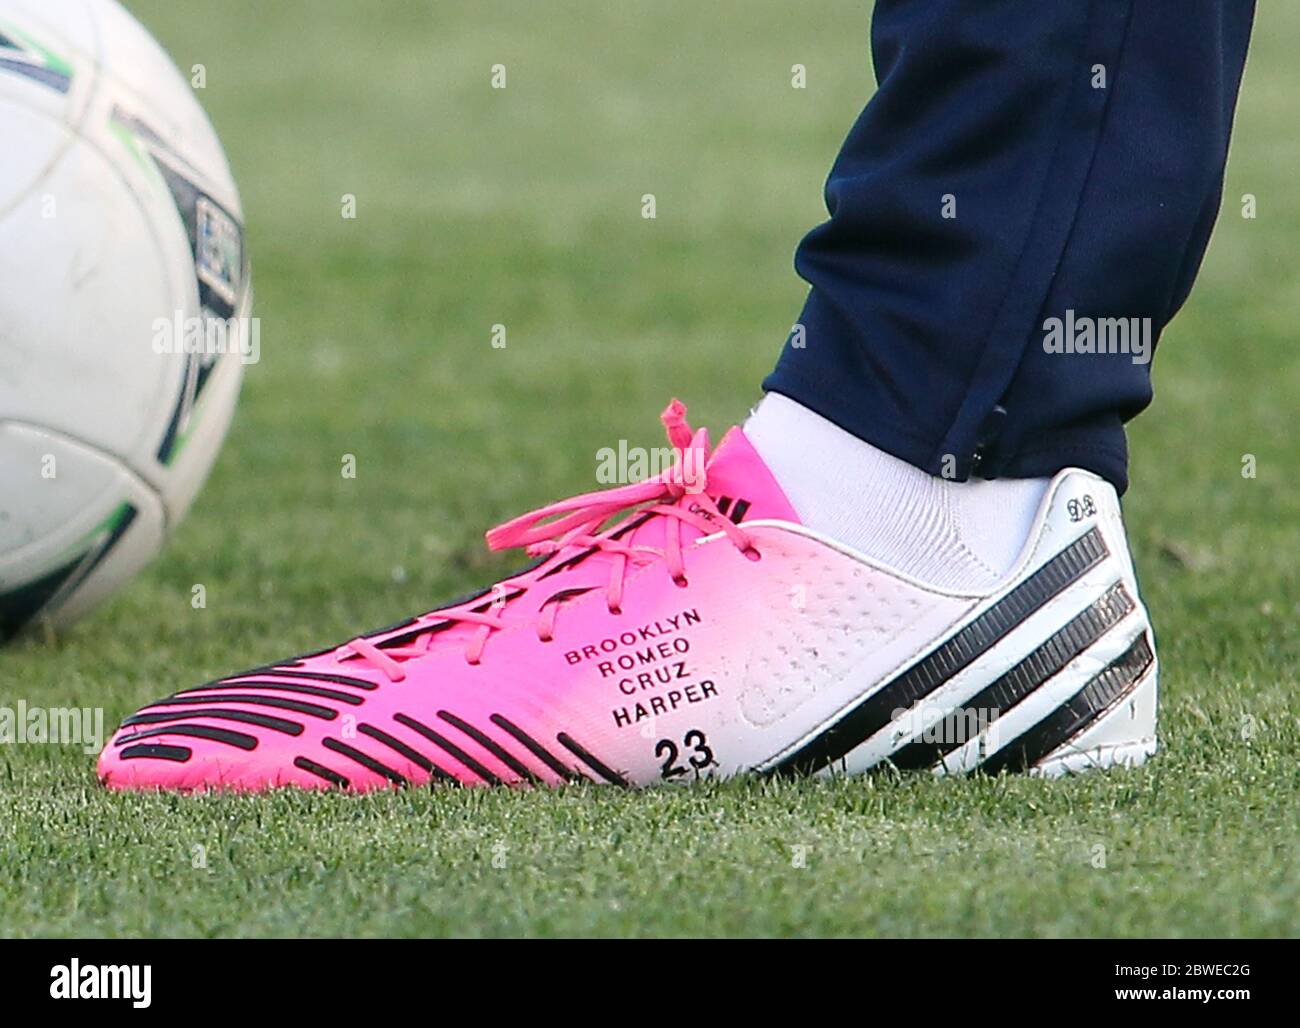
703,632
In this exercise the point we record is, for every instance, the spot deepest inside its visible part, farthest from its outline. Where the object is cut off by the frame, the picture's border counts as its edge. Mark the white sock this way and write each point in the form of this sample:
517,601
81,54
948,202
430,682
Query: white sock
963,536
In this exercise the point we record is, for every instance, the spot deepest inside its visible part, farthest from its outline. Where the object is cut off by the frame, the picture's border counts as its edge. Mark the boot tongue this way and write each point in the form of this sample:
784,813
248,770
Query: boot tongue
738,482
741,485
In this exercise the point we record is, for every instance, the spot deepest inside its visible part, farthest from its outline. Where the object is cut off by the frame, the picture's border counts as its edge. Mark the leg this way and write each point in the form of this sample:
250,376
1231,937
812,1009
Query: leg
1009,169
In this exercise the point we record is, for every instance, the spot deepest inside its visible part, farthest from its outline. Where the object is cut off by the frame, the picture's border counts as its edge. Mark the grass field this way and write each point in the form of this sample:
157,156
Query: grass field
523,207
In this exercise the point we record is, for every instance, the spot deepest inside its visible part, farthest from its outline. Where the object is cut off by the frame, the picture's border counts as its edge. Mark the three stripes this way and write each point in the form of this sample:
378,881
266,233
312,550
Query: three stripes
877,711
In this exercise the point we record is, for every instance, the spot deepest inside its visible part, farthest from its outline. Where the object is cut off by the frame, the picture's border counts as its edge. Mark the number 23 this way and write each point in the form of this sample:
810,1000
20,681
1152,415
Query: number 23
701,755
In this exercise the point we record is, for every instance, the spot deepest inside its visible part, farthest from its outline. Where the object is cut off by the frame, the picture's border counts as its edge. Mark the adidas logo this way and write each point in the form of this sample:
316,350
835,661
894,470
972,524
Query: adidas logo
735,509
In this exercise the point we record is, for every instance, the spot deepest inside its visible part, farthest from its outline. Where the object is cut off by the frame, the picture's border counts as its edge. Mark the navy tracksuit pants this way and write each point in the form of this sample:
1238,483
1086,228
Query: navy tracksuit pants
1021,160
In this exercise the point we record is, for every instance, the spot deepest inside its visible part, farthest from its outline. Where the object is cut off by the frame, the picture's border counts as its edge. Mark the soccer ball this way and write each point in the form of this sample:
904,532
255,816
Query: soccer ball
124,302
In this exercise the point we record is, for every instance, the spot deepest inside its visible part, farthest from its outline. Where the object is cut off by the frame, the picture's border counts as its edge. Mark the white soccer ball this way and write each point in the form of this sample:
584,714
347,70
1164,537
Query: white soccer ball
124,302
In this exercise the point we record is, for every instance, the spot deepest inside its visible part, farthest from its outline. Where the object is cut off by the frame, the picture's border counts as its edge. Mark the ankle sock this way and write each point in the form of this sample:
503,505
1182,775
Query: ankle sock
962,536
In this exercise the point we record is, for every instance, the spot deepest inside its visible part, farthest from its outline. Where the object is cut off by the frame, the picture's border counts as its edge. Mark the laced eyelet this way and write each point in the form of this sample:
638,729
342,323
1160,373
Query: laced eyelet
751,553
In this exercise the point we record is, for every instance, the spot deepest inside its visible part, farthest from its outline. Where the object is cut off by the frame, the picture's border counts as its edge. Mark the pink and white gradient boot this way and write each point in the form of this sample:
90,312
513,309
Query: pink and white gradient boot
704,632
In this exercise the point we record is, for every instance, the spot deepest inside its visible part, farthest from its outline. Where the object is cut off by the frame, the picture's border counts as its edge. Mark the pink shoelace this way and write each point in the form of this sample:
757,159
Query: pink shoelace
677,494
